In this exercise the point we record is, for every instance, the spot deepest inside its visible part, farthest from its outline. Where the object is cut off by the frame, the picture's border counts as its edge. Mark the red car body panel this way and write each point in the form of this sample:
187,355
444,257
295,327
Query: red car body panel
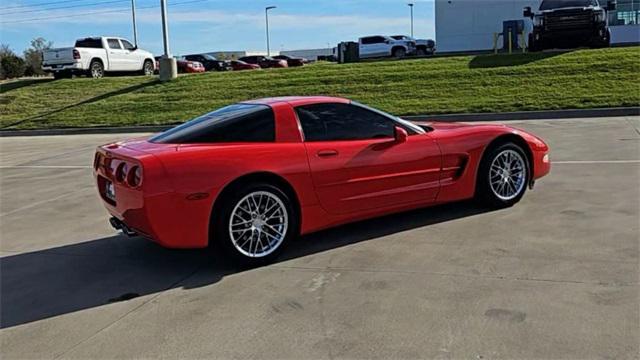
366,178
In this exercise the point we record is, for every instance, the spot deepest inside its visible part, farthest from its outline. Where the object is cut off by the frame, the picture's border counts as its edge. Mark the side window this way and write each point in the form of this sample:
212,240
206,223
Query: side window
114,44
379,39
235,123
367,40
127,45
327,122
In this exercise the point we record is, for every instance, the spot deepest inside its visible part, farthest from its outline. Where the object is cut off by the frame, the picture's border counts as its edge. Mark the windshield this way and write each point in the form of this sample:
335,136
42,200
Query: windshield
557,4
209,57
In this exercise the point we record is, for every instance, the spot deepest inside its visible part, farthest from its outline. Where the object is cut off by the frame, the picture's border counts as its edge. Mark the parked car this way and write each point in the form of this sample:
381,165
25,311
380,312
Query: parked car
291,61
423,46
241,65
96,56
249,177
184,66
569,23
385,46
264,61
210,62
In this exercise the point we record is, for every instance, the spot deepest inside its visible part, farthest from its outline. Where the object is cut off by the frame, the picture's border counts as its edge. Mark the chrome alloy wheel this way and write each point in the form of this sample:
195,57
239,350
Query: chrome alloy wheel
96,70
507,175
258,224
148,68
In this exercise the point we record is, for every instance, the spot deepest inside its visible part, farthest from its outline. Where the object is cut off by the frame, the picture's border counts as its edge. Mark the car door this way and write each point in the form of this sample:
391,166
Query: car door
367,47
117,57
357,165
133,59
380,47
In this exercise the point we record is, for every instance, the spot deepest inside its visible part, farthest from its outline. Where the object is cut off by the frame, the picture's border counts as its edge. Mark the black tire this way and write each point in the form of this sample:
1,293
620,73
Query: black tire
96,69
58,75
222,229
488,193
148,68
399,53
421,51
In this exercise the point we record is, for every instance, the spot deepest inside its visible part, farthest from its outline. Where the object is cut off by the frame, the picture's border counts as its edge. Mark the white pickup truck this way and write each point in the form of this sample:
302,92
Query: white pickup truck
423,46
96,55
384,46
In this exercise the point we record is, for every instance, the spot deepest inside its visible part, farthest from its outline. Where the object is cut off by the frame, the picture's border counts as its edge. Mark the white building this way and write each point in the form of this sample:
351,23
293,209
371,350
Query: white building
469,25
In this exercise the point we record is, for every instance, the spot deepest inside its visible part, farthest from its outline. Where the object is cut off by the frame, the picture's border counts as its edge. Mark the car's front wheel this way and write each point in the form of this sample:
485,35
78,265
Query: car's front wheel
255,223
503,176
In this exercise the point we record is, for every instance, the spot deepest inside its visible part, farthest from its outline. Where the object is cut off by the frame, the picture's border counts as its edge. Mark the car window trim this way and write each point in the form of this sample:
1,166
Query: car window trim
399,122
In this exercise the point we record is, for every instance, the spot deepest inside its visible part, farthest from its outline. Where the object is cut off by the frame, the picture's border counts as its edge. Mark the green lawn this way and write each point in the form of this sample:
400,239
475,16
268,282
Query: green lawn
487,83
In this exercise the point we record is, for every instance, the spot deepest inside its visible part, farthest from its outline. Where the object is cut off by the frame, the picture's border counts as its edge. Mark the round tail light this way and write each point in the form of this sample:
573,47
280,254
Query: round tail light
121,172
134,178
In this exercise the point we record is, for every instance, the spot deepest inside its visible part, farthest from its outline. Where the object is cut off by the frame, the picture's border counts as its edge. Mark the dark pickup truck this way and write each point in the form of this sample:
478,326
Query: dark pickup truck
569,23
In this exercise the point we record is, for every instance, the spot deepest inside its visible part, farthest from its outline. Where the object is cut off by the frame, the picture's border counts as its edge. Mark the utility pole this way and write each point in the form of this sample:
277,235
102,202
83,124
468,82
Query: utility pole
411,6
135,27
168,65
266,18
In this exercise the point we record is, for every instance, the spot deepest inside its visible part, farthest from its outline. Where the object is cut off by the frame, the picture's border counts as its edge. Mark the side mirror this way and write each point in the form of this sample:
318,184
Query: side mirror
400,135
611,5
527,12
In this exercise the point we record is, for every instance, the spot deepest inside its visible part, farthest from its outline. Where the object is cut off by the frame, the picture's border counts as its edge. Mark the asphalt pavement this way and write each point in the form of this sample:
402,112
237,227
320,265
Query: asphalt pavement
556,276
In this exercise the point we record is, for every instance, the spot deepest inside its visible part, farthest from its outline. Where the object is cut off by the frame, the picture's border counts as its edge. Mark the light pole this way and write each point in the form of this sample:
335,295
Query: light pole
168,66
411,6
135,28
266,18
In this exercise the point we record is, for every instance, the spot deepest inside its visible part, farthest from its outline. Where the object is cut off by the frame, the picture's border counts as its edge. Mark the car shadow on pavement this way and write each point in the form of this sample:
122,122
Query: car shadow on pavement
57,281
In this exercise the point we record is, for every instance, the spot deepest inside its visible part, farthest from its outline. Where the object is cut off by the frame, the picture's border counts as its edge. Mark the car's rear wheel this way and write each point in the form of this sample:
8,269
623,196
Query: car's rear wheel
421,51
503,176
96,69
255,223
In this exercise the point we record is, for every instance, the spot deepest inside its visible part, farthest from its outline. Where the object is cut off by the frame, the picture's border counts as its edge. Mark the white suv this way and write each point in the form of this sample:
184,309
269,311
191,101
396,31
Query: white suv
384,46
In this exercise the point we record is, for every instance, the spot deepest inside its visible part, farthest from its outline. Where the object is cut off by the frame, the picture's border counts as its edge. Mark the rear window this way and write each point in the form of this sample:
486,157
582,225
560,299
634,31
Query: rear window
89,43
234,123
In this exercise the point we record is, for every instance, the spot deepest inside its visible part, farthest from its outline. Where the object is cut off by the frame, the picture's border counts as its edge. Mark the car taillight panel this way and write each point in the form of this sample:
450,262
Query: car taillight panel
76,54
134,178
121,172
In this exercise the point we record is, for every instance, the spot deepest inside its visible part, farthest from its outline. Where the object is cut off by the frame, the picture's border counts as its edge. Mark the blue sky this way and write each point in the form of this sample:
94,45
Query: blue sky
212,25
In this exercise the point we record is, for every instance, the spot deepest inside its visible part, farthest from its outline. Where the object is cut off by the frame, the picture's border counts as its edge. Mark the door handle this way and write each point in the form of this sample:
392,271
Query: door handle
327,153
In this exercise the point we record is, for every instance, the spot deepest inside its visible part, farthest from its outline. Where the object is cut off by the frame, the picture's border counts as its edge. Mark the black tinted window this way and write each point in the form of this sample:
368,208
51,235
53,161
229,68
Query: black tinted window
324,122
235,123
127,45
113,44
89,43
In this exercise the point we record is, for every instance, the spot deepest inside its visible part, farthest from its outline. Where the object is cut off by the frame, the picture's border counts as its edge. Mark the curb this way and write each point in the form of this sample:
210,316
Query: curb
507,116
531,115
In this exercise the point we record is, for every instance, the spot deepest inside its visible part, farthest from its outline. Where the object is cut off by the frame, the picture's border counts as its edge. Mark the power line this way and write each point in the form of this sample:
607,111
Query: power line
97,12
64,7
41,4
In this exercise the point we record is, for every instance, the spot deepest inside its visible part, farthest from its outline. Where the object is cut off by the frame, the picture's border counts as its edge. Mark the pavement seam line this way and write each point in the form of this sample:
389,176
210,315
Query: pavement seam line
173,285
495,277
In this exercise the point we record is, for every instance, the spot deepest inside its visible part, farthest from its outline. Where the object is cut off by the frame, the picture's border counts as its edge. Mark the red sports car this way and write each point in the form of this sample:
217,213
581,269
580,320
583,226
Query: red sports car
249,177
241,65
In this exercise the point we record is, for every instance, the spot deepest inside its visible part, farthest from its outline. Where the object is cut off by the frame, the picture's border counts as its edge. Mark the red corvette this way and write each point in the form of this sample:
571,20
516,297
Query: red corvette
249,177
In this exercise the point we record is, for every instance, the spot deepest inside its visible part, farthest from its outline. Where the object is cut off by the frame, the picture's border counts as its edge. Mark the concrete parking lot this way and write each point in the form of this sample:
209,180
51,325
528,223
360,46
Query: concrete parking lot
556,276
